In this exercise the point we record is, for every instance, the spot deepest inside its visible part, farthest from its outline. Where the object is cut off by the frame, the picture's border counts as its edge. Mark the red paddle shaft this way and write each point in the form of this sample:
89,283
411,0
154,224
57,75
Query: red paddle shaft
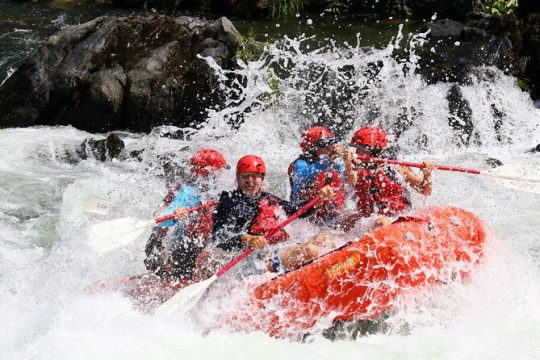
417,165
193,209
275,230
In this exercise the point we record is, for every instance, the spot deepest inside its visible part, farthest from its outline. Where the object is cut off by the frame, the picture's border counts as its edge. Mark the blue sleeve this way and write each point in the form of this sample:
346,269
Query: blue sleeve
186,197
304,173
340,168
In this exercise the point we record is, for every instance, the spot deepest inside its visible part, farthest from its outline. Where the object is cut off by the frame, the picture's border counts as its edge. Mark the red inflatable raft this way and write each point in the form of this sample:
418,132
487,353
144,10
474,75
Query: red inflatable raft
365,278
361,280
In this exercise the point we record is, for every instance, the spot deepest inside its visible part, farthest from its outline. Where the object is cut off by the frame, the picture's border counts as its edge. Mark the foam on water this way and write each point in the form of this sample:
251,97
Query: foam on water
45,261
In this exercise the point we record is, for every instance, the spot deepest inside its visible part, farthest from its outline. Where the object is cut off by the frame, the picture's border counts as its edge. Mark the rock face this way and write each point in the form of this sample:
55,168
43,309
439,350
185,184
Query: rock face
531,50
130,73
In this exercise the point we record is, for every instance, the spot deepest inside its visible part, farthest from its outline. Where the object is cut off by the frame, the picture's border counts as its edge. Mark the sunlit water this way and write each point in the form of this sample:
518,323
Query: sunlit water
45,260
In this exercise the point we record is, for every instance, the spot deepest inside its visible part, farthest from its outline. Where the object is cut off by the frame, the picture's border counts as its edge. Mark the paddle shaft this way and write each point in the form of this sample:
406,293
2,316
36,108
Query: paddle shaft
450,168
246,252
193,209
419,165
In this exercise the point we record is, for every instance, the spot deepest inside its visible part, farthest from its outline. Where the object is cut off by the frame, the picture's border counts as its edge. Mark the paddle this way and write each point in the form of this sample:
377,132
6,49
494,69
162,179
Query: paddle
186,298
97,207
517,177
109,235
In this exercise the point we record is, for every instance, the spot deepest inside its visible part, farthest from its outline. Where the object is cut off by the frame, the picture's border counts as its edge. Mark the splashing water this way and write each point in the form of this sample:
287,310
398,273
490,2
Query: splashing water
45,262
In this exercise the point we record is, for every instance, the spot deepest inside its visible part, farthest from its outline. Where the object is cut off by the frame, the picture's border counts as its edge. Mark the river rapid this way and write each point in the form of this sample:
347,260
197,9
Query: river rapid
45,260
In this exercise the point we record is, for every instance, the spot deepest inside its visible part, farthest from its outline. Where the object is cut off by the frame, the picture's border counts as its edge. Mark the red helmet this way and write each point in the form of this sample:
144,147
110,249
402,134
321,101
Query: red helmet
370,136
316,136
206,161
251,163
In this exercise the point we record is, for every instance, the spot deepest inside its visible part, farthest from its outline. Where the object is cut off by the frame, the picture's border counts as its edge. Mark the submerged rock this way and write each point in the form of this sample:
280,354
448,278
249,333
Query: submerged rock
535,149
461,119
103,149
129,73
493,162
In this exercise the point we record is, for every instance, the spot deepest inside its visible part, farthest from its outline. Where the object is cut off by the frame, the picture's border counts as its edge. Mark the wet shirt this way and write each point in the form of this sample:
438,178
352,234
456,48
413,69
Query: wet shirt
187,197
234,214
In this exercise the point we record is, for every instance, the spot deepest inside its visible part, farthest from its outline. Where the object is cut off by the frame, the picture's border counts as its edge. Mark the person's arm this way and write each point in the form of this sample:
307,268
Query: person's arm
421,184
350,172
186,198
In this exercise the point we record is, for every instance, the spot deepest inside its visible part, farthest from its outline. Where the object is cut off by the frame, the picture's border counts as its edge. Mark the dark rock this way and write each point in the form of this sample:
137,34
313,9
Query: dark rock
529,6
535,149
503,36
499,116
472,33
461,119
531,52
104,149
493,162
446,28
130,73
477,9
100,105
445,66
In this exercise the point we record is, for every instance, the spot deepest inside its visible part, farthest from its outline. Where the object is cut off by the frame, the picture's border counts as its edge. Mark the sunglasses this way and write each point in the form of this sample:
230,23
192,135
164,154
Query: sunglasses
365,148
325,142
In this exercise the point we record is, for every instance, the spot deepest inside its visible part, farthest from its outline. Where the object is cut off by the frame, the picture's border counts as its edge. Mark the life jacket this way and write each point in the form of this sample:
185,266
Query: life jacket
329,208
379,191
269,216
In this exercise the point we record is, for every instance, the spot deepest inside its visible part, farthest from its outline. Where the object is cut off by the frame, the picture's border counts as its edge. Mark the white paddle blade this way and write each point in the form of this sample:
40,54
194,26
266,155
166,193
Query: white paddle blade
186,298
97,207
517,177
110,235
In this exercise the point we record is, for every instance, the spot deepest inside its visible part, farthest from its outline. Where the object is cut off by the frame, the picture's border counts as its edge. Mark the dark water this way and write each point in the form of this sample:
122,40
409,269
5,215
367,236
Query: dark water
26,26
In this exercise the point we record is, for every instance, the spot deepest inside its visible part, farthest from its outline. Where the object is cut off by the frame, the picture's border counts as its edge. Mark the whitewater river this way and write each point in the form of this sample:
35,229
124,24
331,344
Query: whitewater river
45,260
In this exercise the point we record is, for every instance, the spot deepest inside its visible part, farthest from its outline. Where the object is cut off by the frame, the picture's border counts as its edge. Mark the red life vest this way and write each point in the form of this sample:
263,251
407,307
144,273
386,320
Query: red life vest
269,216
380,192
329,208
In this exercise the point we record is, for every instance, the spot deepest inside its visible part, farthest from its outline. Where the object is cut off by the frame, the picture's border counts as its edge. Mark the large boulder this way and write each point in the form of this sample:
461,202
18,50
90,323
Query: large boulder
129,73
531,51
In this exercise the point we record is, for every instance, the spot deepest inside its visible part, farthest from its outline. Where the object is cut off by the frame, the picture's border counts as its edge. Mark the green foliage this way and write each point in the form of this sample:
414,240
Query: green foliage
248,47
286,8
337,6
503,7
272,97
525,85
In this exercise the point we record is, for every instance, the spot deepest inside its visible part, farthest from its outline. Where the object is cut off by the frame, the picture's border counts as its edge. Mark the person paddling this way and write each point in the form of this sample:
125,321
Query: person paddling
322,163
382,188
174,245
245,216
